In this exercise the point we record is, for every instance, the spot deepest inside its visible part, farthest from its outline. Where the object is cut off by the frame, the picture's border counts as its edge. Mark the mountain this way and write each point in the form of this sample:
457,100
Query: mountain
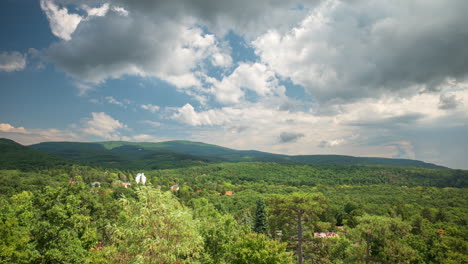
122,156
17,156
153,155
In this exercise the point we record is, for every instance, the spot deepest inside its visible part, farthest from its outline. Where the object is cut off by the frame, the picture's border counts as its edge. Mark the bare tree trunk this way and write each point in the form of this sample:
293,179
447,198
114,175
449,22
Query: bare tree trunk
299,236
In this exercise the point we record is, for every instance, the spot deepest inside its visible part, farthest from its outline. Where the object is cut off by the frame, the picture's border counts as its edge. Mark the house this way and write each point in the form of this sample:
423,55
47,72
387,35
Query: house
341,228
126,184
326,235
175,188
96,184
229,193
72,182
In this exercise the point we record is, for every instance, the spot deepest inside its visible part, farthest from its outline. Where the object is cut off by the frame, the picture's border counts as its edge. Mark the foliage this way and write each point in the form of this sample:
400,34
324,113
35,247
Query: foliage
258,249
156,228
261,218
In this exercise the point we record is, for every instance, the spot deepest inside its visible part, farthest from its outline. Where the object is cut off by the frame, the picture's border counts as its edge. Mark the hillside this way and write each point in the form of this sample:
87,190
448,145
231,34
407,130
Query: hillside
313,175
123,154
17,156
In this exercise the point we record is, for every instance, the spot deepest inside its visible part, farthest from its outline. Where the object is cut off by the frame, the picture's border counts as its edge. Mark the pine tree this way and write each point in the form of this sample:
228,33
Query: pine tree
261,218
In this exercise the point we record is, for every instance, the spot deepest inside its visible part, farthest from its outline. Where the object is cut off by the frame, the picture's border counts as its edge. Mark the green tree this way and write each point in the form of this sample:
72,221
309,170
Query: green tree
258,249
294,210
261,218
155,228
63,230
381,240
16,217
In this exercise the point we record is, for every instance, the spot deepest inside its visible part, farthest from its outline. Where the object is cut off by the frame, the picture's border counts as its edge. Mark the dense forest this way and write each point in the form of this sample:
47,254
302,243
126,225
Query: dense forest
55,210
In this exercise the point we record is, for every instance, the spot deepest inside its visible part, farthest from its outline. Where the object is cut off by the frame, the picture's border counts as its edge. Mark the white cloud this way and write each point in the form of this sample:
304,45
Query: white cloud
150,107
151,123
61,22
360,49
33,136
103,126
7,128
172,51
96,11
12,61
112,100
120,10
255,77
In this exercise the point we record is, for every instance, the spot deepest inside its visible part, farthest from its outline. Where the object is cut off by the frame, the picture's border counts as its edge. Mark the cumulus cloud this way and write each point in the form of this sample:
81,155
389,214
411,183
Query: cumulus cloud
12,61
188,115
358,49
7,128
169,50
61,22
150,107
255,77
33,136
246,17
103,126
286,137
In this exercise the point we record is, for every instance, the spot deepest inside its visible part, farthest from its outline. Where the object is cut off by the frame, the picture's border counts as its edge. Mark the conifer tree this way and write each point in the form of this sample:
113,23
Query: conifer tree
261,218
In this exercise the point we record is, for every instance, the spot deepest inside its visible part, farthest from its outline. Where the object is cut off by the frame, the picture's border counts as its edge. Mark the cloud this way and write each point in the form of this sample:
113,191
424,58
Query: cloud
150,107
449,102
286,137
404,149
61,22
12,61
188,115
172,51
7,128
345,51
112,100
97,11
255,77
151,123
33,136
243,16
103,126
331,143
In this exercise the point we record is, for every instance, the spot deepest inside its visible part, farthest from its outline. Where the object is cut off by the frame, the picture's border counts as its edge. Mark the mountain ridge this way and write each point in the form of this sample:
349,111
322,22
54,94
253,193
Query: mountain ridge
208,153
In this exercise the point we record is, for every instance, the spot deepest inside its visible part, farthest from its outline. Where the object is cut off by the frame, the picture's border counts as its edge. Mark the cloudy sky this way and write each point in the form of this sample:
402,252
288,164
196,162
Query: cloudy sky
355,77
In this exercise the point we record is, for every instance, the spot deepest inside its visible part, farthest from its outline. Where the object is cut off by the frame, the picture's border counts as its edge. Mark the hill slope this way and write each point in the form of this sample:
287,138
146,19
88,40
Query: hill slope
121,156
121,152
17,156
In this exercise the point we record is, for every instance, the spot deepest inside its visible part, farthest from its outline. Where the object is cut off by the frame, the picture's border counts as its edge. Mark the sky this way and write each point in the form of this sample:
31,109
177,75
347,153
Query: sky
356,77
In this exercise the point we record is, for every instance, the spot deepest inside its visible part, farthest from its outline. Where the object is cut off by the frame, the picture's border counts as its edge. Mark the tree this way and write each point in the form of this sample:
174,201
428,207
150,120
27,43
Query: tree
63,230
256,248
295,210
381,240
261,218
16,217
155,228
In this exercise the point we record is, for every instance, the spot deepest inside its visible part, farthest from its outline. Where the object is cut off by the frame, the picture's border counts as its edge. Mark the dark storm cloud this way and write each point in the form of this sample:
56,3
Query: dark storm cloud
243,16
286,137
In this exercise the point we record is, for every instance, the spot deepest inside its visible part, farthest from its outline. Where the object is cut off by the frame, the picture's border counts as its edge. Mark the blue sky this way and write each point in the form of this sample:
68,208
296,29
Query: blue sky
363,78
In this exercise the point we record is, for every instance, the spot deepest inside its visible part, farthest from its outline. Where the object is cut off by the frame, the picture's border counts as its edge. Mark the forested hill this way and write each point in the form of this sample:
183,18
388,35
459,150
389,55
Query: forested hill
17,156
118,153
